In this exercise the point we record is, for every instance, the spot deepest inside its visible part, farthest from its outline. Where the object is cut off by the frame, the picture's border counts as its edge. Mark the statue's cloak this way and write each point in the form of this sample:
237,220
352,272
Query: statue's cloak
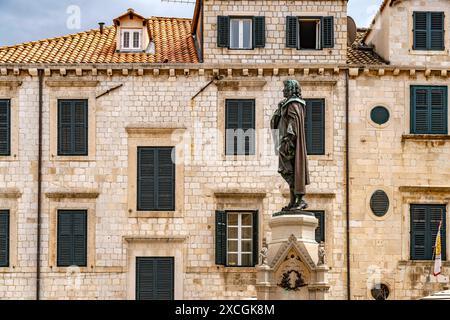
289,119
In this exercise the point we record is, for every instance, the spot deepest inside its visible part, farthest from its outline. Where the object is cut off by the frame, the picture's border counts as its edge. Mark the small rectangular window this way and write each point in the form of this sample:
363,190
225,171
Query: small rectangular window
240,138
4,238
428,30
131,39
241,33
136,40
5,127
429,110
72,127
72,238
315,126
309,34
126,39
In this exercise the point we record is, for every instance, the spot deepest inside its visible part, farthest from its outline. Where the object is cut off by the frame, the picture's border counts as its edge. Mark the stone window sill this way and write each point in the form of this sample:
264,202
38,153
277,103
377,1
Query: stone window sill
429,52
424,263
154,214
425,137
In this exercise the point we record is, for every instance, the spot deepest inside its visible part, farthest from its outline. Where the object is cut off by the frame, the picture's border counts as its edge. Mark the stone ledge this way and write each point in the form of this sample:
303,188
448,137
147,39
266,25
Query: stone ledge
220,269
425,137
423,263
234,85
73,194
313,193
10,83
424,188
155,239
239,193
10,193
154,128
71,83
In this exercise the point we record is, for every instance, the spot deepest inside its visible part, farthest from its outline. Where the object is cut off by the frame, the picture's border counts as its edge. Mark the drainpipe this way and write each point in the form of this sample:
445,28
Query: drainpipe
347,183
39,204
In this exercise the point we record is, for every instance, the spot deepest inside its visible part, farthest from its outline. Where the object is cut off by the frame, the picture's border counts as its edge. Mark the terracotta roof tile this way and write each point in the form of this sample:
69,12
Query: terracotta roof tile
172,37
360,54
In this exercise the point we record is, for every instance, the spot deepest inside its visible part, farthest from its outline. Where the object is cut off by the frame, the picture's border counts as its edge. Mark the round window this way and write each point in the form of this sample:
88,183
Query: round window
379,115
380,291
379,203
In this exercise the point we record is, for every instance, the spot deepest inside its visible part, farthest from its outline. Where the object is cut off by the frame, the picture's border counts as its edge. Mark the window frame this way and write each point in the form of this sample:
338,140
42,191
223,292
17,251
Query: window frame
308,136
131,32
318,32
241,32
236,147
84,212
240,253
7,212
8,125
428,31
72,153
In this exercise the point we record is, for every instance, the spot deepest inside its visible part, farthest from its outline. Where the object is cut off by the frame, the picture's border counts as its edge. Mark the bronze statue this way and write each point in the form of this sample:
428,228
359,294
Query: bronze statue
289,120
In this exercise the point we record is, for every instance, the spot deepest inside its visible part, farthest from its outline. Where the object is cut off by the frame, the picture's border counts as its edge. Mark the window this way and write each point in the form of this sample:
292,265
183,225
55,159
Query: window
5,128
310,33
156,179
155,278
131,39
241,32
315,126
425,221
320,230
429,110
379,115
428,31
72,238
72,127
240,127
237,238
4,238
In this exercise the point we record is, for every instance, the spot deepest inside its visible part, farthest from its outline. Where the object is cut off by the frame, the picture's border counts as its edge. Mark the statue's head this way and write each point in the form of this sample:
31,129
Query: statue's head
292,88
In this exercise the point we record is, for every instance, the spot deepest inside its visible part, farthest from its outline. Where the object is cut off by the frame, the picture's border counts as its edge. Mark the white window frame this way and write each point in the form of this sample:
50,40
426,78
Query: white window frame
239,238
241,33
318,32
131,43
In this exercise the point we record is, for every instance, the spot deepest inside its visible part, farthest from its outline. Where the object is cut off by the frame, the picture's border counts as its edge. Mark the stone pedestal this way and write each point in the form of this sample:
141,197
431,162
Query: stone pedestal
291,269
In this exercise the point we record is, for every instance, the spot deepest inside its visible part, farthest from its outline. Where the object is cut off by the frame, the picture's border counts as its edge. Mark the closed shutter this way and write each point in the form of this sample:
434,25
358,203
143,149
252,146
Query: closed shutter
428,110
155,278
5,128
223,31
436,30
72,127
424,225
4,238
320,230
156,179
315,126
259,32
292,32
255,238
221,237
72,238
240,127
420,30
327,32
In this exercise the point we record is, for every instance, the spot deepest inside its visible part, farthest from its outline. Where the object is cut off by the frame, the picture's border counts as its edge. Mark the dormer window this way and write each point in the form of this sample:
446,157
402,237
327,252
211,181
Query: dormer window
131,39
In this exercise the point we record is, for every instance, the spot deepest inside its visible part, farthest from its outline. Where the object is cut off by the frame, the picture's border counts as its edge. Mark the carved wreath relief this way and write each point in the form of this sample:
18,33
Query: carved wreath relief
292,273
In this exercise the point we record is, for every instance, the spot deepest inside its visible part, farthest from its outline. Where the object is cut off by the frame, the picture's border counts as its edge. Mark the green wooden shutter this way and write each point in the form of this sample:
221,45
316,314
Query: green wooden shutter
255,237
72,238
223,31
420,248
436,31
247,116
320,230
292,32
315,126
239,119
438,110
4,238
165,176
231,125
155,278
259,32
429,110
72,127
146,181
5,128
221,237
327,32
420,30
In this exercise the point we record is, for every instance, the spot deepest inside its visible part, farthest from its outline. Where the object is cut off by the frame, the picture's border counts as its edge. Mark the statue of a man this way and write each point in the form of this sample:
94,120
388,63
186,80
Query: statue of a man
289,120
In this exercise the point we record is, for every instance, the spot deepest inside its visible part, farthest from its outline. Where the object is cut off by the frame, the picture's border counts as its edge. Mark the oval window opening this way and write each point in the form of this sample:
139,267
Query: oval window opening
379,203
380,291
379,115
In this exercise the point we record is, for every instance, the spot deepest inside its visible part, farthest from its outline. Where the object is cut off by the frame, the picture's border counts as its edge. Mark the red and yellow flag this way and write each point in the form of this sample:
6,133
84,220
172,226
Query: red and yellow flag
437,253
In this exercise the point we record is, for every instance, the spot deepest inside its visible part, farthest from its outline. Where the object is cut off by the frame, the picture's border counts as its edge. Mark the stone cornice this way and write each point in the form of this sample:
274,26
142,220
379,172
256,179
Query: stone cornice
154,128
10,193
10,83
73,194
424,188
239,193
155,238
71,83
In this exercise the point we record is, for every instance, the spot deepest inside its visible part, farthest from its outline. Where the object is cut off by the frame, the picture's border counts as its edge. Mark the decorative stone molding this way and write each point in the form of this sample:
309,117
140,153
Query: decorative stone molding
235,85
154,128
155,239
73,194
71,83
239,193
313,194
10,83
299,246
425,137
10,194
424,188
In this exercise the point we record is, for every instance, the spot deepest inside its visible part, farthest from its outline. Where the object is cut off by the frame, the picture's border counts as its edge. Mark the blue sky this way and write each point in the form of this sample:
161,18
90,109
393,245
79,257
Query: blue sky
27,20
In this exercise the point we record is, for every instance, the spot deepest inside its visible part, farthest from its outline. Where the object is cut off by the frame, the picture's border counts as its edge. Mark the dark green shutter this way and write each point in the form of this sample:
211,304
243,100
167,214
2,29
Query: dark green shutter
155,179
259,32
429,110
72,127
255,238
292,32
240,115
4,238
72,238
5,128
436,33
424,225
327,32
223,31
221,237
155,278
315,126
420,30
320,230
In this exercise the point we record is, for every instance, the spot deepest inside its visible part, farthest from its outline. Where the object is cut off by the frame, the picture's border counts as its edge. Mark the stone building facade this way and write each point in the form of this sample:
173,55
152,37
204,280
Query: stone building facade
170,87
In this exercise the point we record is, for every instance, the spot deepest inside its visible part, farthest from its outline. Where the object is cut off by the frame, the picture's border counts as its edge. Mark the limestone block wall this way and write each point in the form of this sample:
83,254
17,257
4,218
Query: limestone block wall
212,181
383,158
275,12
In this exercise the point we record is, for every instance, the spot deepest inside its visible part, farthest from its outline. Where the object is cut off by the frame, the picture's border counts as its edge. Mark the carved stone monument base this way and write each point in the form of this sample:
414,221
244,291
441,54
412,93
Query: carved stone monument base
291,270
